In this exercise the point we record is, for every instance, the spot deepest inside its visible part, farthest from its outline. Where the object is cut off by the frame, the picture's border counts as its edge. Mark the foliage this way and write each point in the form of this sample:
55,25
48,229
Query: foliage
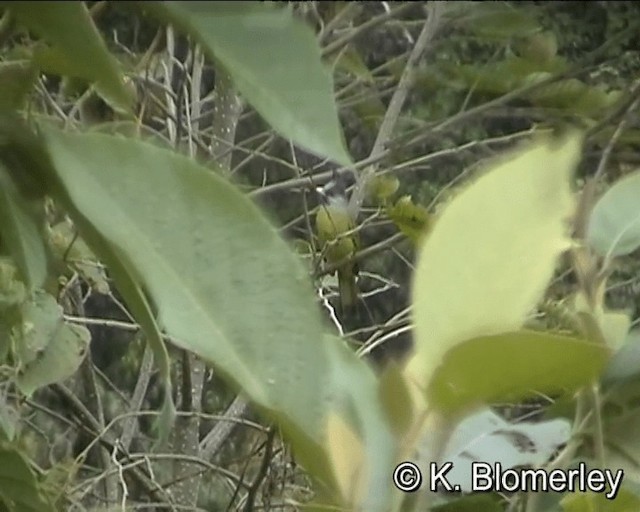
148,305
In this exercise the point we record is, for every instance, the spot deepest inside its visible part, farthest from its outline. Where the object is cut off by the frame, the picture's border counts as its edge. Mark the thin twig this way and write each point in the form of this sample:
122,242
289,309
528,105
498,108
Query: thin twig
361,29
398,99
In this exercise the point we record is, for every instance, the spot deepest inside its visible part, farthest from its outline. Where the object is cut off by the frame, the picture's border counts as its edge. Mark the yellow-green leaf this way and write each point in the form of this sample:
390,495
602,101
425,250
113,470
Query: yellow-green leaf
395,397
347,456
512,366
489,257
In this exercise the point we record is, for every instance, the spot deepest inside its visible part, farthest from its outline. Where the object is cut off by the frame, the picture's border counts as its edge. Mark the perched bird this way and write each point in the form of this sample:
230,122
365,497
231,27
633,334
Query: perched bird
335,223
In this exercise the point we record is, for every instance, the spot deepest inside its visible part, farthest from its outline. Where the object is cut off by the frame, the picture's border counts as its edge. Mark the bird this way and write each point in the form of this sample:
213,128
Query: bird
335,229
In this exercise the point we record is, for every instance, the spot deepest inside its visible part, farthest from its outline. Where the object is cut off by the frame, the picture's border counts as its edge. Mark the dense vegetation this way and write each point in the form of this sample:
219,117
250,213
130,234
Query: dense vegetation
171,335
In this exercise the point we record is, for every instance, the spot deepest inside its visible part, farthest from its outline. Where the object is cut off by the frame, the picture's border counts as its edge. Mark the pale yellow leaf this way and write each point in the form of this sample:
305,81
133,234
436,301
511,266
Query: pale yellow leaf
615,326
493,250
347,458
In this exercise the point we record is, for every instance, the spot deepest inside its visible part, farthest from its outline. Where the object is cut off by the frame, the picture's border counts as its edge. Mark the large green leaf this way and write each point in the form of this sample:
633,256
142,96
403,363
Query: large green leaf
223,282
274,61
182,243
489,257
513,366
614,225
21,232
76,42
224,285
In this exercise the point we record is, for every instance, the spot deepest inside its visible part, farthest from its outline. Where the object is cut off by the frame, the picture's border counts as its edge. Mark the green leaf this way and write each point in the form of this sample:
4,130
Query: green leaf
282,77
23,158
625,501
12,290
59,360
355,393
395,396
621,434
19,489
16,80
348,459
21,232
492,252
512,366
205,262
615,327
622,453
224,284
614,225
222,281
625,363
40,317
9,418
76,42
473,503
5,338
49,349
